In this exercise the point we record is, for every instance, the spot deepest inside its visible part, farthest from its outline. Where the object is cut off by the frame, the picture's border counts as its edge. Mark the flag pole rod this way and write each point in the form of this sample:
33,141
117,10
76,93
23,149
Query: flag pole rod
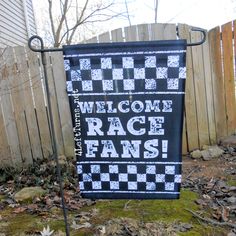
42,50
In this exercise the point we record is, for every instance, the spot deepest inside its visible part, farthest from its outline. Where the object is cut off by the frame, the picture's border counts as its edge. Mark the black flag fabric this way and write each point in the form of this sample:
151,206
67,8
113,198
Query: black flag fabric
126,103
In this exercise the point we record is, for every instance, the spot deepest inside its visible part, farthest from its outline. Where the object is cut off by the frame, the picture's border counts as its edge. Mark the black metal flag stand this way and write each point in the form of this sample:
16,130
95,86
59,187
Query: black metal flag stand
42,50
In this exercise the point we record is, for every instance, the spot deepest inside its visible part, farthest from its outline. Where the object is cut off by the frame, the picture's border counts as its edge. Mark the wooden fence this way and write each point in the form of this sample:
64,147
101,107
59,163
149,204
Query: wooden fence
210,110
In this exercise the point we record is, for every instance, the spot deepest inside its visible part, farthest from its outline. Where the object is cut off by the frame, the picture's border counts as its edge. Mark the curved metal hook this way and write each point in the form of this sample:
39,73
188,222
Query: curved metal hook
41,49
200,42
31,39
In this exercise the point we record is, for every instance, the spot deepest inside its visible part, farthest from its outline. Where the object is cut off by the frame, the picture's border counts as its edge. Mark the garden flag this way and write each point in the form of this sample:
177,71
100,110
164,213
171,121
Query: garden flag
127,109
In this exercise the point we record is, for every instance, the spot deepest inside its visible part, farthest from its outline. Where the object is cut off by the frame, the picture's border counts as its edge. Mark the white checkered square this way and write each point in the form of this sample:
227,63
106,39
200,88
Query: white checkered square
141,177
170,170
114,185
150,61
173,61
151,169
67,65
169,186
87,85
172,84
85,64
79,169
117,74
69,86
161,72
150,186
75,75
131,169
113,169
182,72
160,178
128,84
123,177
81,185
95,169
87,178
150,84
139,73
96,74
132,185
107,85
105,177
128,62
177,179
97,185
106,63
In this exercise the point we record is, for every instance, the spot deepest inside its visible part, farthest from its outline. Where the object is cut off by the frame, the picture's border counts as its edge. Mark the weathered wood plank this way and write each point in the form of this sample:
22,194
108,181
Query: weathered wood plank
15,84
218,82
228,67
92,40
29,110
104,38
8,112
54,106
200,90
117,35
162,31
40,106
131,33
5,152
209,92
143,32
63,102
190,102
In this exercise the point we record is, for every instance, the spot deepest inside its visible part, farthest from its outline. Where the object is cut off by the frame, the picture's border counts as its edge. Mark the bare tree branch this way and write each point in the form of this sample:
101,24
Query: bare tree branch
73,15
51,18
156,8
127,11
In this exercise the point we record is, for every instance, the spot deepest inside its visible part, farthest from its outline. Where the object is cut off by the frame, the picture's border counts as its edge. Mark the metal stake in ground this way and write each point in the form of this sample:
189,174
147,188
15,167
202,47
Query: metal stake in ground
54,144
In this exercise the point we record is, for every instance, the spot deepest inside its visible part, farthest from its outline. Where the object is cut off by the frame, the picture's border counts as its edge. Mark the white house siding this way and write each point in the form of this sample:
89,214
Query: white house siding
17,22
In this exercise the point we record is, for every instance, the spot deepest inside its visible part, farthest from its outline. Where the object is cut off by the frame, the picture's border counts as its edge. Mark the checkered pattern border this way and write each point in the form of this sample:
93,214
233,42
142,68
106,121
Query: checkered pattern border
129,73
129,177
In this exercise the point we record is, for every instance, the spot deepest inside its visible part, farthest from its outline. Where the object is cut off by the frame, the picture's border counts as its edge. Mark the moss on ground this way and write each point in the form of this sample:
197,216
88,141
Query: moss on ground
231,182
169,211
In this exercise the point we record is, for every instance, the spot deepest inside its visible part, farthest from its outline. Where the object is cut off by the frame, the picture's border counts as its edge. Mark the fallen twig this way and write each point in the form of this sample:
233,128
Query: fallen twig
126,204
192,171
210,221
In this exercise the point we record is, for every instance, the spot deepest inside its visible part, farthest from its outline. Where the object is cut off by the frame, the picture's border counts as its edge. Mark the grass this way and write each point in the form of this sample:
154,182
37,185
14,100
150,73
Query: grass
168,211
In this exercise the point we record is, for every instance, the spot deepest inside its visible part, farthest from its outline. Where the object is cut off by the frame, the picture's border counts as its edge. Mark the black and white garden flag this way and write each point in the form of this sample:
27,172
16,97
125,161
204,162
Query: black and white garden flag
127,108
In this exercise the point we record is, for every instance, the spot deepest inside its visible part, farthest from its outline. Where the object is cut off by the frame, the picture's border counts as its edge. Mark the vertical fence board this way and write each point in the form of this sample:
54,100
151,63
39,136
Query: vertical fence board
92,40
228,65
5,152
63,102
190,102
18,106
131,33
117,35
40,107
209,92
218,83
54,107
8,113
143,32
27,82
200,91
163,31
105,37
